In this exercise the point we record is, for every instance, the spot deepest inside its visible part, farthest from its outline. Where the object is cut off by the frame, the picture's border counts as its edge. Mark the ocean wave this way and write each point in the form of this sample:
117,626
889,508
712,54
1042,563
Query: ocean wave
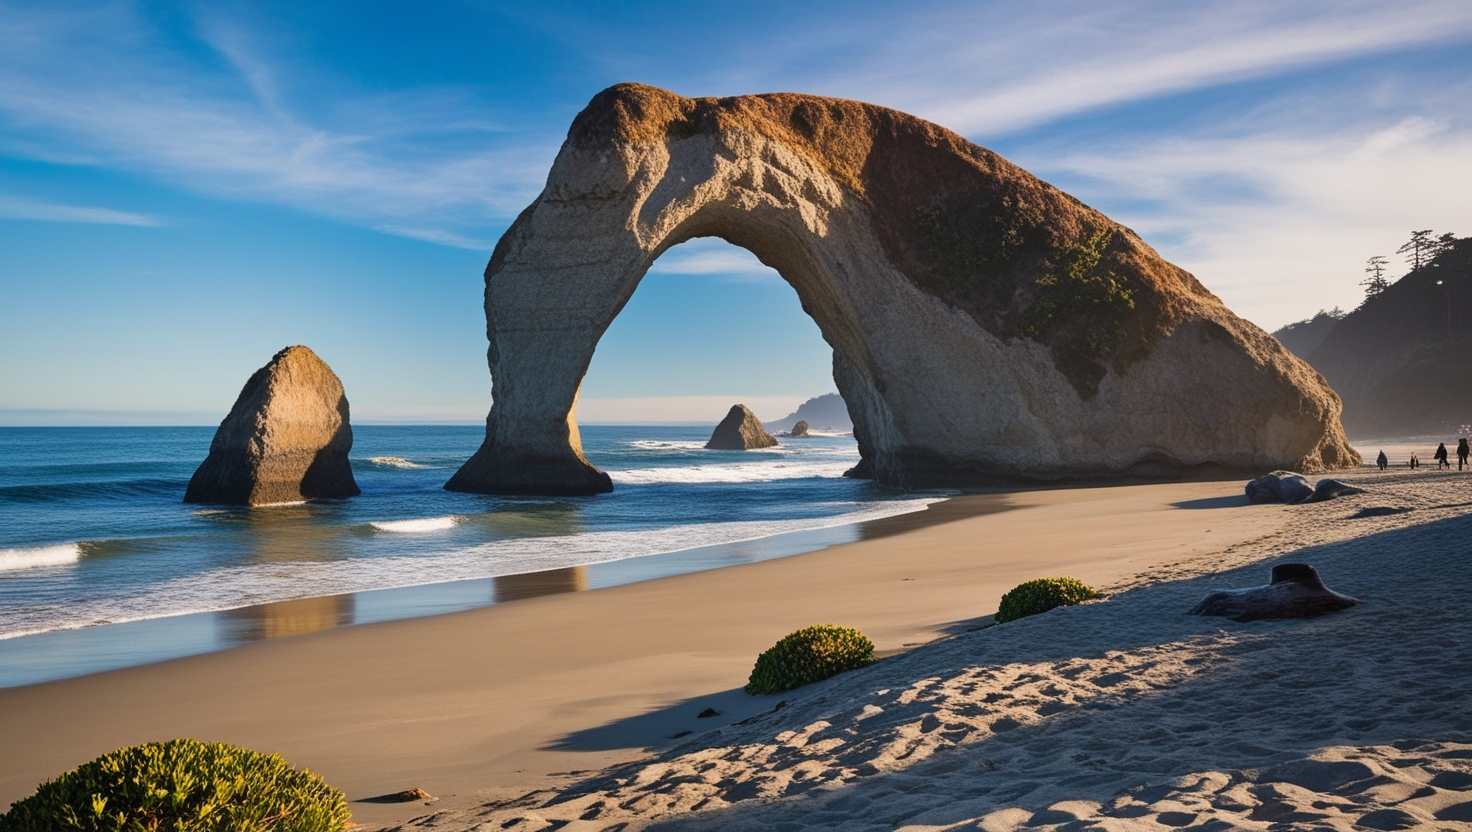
766,471
237,586
427,524
61,554
393,462
666,445
116,489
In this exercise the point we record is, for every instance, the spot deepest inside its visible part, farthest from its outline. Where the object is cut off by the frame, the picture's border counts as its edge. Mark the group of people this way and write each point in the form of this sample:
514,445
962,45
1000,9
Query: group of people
1441,457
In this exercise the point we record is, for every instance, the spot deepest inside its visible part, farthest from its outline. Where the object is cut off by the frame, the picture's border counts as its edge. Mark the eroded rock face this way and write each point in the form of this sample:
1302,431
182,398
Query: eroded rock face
286,439
740,431
984,324
799,429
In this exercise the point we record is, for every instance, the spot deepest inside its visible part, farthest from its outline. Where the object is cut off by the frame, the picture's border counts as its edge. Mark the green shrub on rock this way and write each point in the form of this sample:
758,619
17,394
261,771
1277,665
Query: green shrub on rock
811,654
1041,595
182,786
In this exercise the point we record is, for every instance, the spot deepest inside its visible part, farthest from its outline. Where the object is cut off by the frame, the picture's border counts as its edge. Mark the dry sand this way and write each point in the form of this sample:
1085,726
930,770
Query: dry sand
1119,714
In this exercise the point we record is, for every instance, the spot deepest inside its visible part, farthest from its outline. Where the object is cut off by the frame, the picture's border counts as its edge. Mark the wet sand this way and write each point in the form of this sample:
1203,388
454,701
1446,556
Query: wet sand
491,703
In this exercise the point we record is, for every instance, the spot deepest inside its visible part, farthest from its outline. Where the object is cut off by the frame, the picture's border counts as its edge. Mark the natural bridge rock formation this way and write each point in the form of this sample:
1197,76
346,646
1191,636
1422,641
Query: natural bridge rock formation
984,324
286,439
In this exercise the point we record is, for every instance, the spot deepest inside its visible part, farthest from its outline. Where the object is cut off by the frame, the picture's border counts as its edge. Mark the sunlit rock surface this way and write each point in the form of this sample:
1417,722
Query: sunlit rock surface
286,439
740,431
985,325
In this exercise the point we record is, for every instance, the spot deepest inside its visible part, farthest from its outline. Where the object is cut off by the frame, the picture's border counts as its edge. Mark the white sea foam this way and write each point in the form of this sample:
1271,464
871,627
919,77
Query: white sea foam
765,471
426,524
235,586
393,462
666,445
59,555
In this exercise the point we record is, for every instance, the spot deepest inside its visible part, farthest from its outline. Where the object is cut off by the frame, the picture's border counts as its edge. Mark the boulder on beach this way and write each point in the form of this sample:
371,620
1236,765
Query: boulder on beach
799,429
740,431
1292,488
1295,591
985,325
286,439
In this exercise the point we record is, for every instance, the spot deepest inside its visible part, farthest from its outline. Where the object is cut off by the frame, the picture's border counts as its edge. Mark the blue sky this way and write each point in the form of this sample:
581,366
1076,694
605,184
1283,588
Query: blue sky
186,188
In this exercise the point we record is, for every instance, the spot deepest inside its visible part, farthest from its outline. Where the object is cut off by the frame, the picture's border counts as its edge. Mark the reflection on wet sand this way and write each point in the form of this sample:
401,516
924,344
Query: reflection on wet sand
946,511
285,618
534,584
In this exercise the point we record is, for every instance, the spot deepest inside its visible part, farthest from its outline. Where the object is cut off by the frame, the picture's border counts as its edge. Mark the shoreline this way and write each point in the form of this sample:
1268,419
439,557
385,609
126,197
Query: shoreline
71,653
491,702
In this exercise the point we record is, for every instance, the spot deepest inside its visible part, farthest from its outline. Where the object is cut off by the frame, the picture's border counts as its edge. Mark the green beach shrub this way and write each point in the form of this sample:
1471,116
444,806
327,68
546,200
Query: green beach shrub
182,786
1040,595
811,654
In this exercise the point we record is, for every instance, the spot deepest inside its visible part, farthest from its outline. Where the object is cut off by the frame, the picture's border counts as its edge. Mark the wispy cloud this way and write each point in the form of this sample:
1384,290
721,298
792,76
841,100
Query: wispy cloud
24,208
710,256
95,87
1280,224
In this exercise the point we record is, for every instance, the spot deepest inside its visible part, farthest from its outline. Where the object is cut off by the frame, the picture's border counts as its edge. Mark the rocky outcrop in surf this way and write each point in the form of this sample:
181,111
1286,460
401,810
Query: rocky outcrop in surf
800,429
286,439
984,324
740,431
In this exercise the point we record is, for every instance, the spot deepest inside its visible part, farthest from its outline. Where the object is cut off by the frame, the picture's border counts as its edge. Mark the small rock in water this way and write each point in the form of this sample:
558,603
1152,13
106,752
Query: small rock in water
1296,591
800,429
707,713
740,431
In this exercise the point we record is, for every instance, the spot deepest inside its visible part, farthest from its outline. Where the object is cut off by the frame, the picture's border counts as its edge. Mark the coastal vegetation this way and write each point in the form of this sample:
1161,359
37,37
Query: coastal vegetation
182,786
1040,595
809,655
1396,360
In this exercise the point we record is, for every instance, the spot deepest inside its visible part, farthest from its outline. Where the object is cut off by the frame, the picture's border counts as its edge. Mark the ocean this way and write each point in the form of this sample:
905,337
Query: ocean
95,541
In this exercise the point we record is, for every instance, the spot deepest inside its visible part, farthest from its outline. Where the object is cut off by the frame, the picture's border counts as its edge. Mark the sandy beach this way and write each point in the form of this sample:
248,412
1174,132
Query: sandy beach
579,711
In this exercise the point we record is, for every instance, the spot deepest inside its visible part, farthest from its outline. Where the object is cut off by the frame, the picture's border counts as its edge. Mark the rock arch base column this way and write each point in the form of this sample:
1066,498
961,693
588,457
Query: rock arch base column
985,325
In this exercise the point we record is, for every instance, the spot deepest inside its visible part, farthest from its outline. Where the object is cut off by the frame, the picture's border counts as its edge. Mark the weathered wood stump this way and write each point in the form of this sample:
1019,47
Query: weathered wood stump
1296,591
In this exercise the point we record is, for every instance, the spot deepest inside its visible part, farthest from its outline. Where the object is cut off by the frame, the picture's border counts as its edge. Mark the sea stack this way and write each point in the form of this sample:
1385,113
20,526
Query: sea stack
740,431
286,439
799,429
985,325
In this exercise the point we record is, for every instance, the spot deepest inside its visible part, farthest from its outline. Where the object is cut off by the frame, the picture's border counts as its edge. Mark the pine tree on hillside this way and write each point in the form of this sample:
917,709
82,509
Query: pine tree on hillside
1442,244
1377,282
1419,248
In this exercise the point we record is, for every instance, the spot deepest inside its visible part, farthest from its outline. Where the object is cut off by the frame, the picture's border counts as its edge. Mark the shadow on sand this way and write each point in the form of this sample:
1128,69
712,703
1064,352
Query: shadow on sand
1255,704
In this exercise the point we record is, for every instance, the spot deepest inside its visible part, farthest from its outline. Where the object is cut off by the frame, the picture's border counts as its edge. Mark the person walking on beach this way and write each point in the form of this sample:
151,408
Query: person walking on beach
1462,451
1440,457
1382,460
1415,461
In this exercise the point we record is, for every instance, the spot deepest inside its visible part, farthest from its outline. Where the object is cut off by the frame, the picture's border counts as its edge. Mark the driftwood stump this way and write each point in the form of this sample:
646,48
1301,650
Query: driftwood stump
1296,591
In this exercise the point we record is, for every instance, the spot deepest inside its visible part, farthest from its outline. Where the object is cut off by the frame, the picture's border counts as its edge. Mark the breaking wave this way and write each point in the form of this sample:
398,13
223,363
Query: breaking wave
393,462
57,555
427,524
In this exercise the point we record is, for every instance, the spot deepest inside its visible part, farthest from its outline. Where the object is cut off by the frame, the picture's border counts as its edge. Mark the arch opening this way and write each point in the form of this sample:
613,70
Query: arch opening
708,325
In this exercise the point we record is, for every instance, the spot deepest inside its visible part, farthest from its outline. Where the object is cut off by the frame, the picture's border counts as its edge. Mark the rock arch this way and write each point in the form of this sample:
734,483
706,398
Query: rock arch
984,325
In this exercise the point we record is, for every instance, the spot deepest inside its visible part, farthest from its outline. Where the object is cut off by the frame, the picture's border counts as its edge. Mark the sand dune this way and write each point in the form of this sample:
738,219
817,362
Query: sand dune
1120,714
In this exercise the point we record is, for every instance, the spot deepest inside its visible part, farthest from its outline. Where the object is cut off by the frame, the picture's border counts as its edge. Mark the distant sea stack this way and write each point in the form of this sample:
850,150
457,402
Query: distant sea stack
825,412
799,429
985,325
286,439
740,431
